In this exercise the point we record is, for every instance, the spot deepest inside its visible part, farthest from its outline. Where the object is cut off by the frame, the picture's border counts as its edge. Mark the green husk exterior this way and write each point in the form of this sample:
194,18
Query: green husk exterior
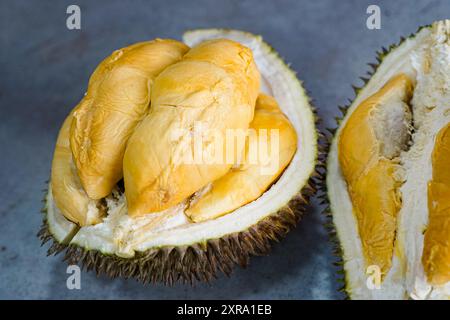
329,135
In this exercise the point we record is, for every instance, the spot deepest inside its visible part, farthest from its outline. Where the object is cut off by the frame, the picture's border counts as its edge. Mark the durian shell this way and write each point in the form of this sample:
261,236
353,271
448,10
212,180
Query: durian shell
201,261
191,263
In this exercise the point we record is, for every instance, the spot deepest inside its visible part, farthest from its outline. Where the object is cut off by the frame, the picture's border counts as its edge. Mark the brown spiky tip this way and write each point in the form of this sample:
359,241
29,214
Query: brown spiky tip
45,236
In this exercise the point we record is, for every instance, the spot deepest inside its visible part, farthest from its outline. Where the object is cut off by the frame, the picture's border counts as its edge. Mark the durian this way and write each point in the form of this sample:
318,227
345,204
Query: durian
171,218
388,174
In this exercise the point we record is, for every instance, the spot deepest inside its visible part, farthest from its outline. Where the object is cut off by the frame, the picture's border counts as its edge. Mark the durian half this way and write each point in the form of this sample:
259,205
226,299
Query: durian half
388,176
174,245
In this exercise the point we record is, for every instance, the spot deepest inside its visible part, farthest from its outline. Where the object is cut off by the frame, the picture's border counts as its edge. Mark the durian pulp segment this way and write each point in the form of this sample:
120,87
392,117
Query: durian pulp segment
121,235
436,253
259,168
426,59
369,149
62,229
66,187
222,53
116,100
340,202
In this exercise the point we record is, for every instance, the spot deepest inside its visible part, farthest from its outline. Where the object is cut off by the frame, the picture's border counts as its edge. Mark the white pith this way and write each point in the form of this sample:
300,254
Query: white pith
406,277
121,235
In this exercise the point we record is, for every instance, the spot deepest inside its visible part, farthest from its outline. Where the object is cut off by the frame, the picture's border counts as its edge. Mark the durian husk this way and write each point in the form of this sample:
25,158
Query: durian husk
204,260
198,262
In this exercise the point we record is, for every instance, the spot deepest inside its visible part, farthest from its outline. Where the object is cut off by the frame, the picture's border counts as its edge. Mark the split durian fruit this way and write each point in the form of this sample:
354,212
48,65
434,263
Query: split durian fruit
388,176
182,159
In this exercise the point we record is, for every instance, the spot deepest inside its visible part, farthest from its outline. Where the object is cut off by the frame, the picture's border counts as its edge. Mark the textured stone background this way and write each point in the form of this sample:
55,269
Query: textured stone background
44,69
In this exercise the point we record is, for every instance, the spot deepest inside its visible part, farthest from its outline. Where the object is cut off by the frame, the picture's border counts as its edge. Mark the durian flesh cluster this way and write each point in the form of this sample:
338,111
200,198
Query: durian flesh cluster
389,175
124,173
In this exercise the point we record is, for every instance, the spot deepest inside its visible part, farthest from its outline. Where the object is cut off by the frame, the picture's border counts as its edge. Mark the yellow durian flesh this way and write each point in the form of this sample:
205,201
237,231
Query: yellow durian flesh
117,98
368,153
67,191
250,180
436,251
159,169
223,53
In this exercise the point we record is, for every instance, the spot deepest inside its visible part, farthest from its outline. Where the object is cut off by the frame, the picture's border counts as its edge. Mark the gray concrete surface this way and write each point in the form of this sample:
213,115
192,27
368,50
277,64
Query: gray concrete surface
44,70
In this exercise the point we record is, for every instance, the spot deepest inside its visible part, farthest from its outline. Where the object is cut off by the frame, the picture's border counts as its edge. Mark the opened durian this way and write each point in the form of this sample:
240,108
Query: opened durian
388,174
145,182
